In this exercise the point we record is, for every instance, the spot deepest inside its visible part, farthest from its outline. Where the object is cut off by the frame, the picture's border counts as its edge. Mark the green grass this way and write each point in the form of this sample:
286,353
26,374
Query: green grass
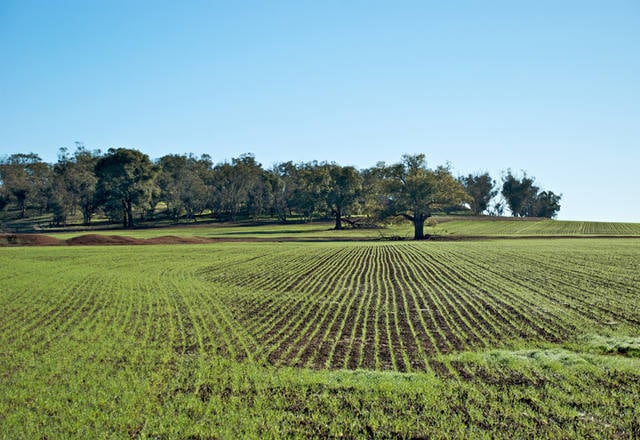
446,226
505,338
527,227
318,230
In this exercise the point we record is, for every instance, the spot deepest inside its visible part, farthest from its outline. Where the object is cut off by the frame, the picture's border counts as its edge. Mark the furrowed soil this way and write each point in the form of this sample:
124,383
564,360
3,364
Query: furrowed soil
498,339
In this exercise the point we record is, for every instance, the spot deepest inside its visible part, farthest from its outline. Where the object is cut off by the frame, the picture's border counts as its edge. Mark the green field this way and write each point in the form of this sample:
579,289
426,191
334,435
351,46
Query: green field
444,226
463,339
239,231
530,227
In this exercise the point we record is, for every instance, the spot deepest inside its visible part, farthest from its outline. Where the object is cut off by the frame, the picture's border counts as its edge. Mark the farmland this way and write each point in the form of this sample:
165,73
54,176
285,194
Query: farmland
489,227
532,227
358,339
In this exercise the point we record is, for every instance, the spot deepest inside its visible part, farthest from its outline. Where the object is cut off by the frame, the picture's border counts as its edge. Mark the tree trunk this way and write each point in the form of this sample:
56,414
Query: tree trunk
129,214
338,219
418,226
86,215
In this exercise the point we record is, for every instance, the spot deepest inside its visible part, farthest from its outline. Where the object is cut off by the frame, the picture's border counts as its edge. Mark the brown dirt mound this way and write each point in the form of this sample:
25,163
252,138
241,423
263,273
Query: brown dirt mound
95,239
172,239
28,240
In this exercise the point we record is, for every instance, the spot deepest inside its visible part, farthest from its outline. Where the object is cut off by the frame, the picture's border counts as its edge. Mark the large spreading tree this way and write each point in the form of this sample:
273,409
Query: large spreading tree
413,191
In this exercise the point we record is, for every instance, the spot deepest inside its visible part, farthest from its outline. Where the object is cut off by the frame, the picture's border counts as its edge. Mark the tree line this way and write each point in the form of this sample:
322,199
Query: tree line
126,186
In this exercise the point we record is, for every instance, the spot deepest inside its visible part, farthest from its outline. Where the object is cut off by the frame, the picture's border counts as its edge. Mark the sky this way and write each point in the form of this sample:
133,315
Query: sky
550,88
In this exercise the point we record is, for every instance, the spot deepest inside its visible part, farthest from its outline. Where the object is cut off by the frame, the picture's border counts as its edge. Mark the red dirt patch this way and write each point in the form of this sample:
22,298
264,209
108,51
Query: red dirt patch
28,240
106,240
95,239
172,239
100,240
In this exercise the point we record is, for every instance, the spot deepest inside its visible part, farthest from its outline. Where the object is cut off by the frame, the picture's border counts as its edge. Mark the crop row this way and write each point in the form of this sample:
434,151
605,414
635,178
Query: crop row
385,306
395,306
107,292
538,227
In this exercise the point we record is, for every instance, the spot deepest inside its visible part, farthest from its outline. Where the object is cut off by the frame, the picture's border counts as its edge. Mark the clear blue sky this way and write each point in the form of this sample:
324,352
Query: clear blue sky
550,87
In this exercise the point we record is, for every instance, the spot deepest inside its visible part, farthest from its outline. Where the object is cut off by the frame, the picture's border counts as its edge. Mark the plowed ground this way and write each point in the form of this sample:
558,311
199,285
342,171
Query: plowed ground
527,339
398,306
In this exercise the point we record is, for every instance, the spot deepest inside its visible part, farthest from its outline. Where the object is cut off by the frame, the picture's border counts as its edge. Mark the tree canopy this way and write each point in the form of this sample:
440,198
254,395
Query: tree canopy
413,191
525,199
124,183
26,179
345,186
125,180
481,189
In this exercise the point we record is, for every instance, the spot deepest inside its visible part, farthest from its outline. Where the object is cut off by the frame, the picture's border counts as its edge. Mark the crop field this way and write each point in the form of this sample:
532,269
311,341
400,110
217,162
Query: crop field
229,230
396,306
529,227
455,339
319,231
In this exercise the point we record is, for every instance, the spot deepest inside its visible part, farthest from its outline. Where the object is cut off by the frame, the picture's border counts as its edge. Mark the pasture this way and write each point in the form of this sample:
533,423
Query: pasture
497,338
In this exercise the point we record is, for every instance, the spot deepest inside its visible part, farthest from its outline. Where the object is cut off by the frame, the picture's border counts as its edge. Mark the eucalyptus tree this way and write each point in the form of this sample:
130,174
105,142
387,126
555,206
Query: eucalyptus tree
281,182
125,179
235,186
75,183
520,194
345,187
413,191
547,204
481,189
26,181
312,186
182,183
525,199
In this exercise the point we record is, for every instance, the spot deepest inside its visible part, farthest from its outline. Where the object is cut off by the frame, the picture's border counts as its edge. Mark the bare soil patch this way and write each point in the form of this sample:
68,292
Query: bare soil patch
172,239
29,240
93,239
101,240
